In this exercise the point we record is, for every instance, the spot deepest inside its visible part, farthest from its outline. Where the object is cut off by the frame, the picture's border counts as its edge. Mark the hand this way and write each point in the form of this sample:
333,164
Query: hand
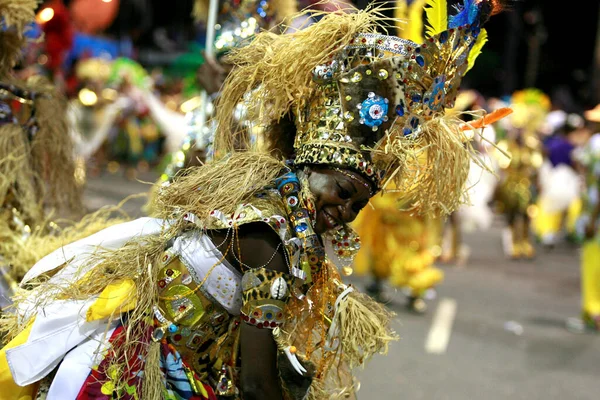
211,75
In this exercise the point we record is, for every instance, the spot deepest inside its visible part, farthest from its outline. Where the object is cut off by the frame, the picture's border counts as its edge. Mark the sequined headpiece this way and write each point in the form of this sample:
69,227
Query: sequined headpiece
373,104
381,86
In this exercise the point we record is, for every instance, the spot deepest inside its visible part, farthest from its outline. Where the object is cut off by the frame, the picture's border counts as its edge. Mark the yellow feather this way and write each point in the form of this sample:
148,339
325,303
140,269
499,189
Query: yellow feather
476,50
437,17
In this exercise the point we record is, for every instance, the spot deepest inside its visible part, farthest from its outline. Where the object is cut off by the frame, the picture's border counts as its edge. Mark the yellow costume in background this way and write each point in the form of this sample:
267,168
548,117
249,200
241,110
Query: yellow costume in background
519,176
589,231
398,247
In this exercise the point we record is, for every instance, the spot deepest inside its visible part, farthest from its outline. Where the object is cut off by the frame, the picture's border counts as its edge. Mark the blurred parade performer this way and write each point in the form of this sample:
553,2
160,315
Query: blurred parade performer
233,291
589,231
237,24
559,201
517,189
37,169
398,247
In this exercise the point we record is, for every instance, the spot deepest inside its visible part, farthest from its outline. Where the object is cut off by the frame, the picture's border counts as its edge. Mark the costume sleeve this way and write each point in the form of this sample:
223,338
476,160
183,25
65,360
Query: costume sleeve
265,294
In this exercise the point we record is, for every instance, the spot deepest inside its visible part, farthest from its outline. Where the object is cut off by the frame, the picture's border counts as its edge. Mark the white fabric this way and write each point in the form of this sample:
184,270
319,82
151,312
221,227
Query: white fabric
559,187
204,260
57,329
77,252
481,184
77,365
171,123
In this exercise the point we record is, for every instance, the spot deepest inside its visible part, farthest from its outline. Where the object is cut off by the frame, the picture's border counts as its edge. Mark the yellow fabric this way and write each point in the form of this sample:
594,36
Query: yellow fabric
573,215
9,390
115,298
412,27
547,222
397,246
590,278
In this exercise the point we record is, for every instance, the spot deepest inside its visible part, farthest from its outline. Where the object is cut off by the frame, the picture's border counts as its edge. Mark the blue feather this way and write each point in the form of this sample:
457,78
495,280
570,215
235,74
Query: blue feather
467,14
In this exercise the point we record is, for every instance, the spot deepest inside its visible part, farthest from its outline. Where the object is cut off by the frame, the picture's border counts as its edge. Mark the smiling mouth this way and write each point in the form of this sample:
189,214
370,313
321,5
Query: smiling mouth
331,222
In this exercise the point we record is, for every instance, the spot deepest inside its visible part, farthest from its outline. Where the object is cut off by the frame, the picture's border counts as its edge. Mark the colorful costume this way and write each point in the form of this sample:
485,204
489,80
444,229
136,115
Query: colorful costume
518,179
154,308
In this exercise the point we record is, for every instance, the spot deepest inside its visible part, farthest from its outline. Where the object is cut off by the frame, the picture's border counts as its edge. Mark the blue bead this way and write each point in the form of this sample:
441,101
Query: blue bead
443,37
173,328
407,131
301,227
416,98
400,110
420,60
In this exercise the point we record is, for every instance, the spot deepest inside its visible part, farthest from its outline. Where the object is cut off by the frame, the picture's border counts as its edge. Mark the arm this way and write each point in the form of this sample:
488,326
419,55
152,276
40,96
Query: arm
259,246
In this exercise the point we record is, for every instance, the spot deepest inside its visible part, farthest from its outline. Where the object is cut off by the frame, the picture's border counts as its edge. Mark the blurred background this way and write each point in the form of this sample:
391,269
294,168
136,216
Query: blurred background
490,302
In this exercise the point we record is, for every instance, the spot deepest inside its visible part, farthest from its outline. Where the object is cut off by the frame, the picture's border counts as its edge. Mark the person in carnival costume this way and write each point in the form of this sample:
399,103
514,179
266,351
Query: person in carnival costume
518,178
588,228
237,23
37,168
233,291
559,203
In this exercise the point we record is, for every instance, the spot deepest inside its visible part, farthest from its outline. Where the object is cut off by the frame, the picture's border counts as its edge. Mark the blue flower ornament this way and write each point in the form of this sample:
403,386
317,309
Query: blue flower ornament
373,111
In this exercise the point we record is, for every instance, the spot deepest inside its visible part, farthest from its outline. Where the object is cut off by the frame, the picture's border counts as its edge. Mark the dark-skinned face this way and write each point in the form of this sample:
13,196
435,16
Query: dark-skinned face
338,197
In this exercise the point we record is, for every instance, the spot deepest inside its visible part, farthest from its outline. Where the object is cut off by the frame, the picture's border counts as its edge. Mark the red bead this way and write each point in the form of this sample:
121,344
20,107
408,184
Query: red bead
431,40
273,324
253,321
177,337
259,325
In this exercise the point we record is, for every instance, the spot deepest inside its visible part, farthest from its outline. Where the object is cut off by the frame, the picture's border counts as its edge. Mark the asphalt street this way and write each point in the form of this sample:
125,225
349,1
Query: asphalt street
497,326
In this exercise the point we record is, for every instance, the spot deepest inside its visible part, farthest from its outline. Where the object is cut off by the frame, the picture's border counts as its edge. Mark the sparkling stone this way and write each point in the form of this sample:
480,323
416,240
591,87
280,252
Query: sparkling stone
382,74
356,77
368,72
348,98
349,116
375,128
347,271
158,334
371,95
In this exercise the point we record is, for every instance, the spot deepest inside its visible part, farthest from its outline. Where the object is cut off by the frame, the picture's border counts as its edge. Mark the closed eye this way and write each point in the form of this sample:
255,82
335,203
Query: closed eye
343,193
